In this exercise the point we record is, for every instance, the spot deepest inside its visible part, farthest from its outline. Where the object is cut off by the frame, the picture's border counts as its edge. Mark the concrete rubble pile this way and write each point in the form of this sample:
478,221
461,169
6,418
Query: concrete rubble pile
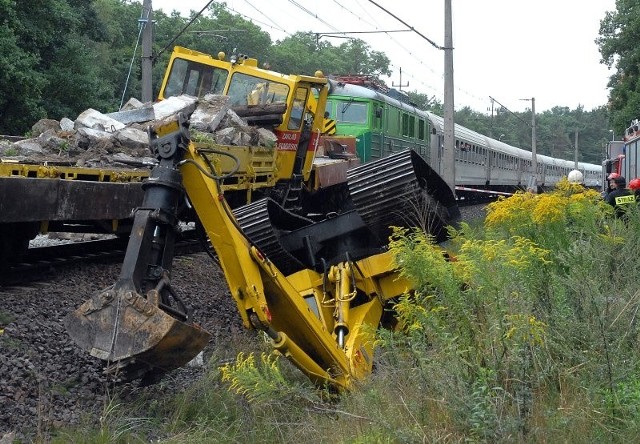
120,139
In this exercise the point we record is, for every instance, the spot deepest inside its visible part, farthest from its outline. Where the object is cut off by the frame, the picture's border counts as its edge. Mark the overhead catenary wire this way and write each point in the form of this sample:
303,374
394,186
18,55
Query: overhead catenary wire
142,23
434,44
370,21
183,29
511,112
280,28
374,24
359,17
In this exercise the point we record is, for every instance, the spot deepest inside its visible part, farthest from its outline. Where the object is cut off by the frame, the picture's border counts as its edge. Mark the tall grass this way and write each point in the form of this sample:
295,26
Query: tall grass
527,332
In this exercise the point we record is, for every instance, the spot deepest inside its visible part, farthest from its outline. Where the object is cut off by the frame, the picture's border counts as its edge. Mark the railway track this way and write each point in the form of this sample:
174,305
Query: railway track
39,263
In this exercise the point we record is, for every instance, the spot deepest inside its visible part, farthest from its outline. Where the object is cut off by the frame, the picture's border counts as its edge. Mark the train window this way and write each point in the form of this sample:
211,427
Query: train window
378,113
351,112
405,124
478,156
328,109
298,109
412,126
420,129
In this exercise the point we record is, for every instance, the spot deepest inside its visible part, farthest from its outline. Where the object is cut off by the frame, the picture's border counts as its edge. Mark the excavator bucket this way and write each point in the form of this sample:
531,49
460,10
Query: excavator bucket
124,327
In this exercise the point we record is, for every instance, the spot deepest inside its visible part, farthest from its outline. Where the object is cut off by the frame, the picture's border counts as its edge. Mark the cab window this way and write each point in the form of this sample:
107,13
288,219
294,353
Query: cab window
249,90
297,110
195,79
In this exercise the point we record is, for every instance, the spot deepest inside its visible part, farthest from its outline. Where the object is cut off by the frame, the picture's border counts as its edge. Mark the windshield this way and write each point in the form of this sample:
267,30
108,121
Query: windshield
194,79
249,90
351,112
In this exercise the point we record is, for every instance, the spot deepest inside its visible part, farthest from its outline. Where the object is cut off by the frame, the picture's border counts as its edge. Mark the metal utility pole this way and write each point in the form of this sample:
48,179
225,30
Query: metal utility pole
575,153
533,183
491,126
147,48
448,155
446,161
534,156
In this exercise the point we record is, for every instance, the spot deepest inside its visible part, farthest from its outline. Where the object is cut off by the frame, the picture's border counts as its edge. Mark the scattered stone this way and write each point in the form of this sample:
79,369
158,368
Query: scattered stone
28,147
132,103
133,138
48,382
66,124
44,125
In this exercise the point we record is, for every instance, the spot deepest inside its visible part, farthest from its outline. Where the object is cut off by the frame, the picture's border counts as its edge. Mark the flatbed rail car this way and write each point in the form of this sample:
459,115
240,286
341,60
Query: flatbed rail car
38,198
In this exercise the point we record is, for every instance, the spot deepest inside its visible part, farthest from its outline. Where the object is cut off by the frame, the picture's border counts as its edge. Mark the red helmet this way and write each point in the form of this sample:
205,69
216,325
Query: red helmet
613,176
634,184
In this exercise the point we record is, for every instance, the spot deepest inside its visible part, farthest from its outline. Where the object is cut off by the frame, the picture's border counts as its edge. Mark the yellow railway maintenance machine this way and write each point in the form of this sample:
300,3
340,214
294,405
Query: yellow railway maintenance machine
313,273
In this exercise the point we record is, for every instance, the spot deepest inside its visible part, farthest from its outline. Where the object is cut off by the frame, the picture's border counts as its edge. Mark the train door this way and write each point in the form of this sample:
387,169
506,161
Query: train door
490,161
423,138
392,128
378,130
437,145
519,164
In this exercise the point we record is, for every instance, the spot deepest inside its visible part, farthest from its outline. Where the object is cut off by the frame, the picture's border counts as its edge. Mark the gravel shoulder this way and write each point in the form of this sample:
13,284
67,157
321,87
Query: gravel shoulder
47,381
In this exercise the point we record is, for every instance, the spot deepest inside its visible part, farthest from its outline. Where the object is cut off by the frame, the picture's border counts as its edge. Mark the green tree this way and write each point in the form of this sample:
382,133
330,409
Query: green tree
423,101
618,44
20,81
303,53
48,68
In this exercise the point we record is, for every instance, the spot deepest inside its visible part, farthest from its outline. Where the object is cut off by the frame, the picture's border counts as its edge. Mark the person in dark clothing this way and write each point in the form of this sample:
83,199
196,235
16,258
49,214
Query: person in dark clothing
610,177
634,186
620,196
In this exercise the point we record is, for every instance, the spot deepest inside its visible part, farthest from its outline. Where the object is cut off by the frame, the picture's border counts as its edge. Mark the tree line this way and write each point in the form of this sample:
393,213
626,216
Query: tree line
60,57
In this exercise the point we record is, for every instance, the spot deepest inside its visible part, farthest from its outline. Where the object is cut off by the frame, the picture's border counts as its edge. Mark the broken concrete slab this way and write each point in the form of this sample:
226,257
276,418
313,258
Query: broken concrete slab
266,138
132,103
93,140
138,115
66,124
28,147
174,105
93,119
134,138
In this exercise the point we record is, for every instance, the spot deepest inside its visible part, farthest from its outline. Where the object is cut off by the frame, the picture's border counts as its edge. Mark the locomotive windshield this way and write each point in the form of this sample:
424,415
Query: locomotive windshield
351,112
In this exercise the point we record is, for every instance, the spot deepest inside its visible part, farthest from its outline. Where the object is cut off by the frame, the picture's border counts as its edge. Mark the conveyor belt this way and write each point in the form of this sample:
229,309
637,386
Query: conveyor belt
262,221
400,190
